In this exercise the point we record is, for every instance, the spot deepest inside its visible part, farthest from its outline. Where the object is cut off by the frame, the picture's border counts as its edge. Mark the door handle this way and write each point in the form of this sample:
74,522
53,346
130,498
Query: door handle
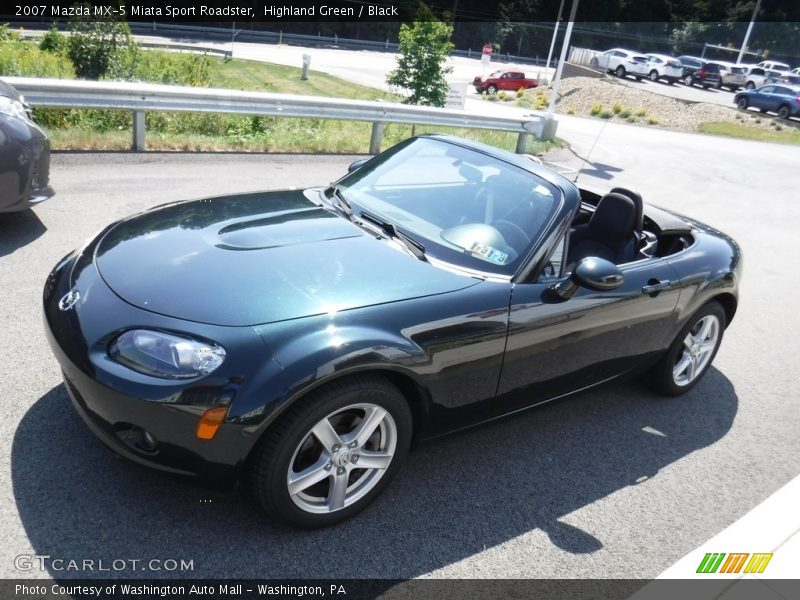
654,286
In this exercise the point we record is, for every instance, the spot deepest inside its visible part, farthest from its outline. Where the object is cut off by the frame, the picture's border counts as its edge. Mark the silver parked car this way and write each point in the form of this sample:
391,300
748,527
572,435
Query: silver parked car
732,76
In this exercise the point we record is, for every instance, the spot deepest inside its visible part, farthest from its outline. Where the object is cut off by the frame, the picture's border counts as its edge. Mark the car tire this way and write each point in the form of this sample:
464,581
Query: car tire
671,81
719,85
653,75
638,77
688,358
743,103
705,86
784,111
492,89
688,80
619,71
335,413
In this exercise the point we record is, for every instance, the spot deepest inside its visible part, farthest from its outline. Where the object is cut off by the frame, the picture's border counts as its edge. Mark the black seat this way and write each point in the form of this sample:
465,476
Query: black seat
610,233
637,202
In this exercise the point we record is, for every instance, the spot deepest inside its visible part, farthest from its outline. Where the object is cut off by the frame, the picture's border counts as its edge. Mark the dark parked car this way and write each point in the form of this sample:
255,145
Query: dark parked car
302,338
697,71
24,154
504,80
783,100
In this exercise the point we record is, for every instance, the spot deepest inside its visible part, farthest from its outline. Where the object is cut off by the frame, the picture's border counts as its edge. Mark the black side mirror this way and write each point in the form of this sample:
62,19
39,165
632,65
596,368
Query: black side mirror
592,273
356,165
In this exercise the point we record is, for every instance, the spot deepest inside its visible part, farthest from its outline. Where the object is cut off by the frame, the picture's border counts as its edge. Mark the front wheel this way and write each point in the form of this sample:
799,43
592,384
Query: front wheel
333,453
742,103
620,71
653,75
688,80
492,89
691,353
750,85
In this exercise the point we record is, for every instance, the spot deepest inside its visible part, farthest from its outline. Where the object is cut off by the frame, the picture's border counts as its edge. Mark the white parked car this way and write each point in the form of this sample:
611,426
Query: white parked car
621,62
661,66
772,65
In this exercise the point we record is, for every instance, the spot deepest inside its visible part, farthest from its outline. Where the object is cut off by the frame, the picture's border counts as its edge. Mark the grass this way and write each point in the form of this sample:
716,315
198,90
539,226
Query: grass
267,77
738,130
288,135
111,130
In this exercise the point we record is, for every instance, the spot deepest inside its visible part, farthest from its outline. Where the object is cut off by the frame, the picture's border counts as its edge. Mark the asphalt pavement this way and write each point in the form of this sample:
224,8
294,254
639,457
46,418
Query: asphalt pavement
613,483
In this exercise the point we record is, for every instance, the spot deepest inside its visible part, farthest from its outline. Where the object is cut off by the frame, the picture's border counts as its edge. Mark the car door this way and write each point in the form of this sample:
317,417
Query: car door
554,348
777,97
762,99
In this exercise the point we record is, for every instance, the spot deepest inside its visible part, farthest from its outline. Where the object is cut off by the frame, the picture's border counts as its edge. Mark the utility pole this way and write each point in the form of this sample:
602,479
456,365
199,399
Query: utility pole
555,35
749,29
564,49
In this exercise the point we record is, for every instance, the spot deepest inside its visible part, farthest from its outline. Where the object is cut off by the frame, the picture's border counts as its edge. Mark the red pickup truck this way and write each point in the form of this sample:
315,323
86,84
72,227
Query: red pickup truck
504,80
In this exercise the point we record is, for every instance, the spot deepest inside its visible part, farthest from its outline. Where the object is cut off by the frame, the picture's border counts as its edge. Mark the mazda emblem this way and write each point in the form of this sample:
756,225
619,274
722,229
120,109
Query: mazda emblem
69,299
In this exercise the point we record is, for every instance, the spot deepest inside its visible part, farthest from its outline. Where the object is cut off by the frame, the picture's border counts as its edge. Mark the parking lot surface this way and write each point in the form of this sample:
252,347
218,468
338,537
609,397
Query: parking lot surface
613,483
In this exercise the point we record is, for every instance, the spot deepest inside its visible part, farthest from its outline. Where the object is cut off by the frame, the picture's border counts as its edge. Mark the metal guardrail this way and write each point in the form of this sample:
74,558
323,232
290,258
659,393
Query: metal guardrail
140,98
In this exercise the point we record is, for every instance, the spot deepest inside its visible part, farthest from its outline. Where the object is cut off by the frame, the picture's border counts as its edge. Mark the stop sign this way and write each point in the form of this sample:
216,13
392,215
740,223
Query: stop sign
487,48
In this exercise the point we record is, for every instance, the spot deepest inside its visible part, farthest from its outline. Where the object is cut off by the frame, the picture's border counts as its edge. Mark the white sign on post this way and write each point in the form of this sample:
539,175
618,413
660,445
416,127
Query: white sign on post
485,59
456,95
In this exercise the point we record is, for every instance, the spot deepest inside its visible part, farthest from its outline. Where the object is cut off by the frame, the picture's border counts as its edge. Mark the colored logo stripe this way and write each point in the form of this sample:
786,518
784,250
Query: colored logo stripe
733,564
710,562
758,563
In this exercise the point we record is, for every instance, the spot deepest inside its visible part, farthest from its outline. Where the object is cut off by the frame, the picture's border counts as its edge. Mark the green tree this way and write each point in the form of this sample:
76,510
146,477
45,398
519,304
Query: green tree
424,48
97,47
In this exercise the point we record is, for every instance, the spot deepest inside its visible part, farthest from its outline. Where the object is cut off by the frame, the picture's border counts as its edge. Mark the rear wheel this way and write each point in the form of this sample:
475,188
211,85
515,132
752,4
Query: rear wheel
333,453
653,75
784,112
750,85
688,80
742,103
691,353
620,71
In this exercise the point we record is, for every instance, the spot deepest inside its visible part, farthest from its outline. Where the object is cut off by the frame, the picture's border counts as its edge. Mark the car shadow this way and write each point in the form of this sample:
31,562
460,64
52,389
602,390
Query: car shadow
455,497
18,229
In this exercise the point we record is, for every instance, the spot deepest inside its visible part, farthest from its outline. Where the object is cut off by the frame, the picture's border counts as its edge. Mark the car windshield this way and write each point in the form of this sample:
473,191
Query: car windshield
464,207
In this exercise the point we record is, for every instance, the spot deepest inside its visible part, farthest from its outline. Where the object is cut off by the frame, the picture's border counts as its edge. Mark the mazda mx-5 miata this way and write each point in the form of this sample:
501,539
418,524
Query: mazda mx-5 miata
300,340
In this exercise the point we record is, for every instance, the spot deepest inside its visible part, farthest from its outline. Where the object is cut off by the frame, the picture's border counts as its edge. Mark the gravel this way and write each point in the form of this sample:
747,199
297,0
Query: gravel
579,94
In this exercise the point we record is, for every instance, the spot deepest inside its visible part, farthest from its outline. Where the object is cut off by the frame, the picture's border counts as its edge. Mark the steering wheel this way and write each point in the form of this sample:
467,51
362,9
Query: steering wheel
513,234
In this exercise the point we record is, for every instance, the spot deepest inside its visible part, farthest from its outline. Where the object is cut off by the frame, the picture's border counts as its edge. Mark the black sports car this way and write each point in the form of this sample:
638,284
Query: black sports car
302,339
24,154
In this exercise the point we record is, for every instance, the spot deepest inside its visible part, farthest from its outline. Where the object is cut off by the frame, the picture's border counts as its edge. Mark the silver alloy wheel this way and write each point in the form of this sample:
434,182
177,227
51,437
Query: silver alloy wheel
342,458
698,348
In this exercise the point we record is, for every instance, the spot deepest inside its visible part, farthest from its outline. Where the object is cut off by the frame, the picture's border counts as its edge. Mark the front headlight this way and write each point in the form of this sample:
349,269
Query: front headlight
14,108
166,355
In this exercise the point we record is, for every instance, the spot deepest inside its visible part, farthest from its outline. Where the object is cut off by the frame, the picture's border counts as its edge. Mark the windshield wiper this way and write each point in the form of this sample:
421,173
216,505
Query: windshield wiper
391,230
341,203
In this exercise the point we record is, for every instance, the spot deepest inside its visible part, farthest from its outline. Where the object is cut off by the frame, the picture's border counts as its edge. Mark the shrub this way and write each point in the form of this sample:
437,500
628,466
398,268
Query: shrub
571,111
97,47
640,112
778,128
652,121
25,59
53,41
631,119
492,97
758,120
501,96
520,92
596,109
617,108
540,101
525,101
625,113
606,114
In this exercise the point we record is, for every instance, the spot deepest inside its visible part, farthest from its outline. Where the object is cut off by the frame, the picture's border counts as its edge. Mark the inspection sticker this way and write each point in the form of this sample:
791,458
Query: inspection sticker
491,254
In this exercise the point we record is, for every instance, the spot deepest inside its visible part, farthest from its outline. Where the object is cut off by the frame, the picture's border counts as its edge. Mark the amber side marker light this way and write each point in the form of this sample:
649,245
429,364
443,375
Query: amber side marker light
210,422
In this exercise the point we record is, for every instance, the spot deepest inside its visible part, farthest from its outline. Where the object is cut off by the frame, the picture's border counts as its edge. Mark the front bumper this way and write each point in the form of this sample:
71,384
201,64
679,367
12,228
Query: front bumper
30,146
119,405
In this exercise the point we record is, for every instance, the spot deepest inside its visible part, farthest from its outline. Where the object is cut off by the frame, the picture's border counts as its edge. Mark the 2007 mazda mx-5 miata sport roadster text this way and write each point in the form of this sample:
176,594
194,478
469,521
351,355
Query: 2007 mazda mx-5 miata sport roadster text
301,339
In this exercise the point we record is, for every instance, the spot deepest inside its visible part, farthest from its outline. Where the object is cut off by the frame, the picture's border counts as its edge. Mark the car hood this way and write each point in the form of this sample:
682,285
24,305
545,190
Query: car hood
258,258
